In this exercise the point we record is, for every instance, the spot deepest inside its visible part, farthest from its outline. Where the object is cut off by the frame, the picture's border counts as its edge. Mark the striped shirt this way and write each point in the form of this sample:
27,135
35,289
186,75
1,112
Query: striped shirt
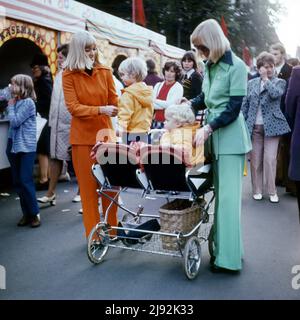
22,127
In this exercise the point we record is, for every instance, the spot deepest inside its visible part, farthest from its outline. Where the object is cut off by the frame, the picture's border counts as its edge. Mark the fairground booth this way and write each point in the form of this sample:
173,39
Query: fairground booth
28,27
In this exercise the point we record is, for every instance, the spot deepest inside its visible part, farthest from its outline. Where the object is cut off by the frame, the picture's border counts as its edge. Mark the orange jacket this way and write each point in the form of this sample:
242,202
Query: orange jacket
83,95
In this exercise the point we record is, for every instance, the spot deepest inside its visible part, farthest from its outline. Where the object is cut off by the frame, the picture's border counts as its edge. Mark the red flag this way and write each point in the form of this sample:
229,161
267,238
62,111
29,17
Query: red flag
247,56
138,14
224,26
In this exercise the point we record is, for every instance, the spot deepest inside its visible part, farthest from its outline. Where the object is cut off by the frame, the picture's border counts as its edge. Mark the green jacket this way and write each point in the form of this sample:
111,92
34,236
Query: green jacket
221,81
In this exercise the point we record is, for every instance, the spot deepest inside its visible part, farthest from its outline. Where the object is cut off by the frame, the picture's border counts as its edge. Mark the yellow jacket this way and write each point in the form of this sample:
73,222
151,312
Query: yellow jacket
136,108
183,137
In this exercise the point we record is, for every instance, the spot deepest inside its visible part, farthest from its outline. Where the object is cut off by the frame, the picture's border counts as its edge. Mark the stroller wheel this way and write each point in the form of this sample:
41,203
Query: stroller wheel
97,243
192,257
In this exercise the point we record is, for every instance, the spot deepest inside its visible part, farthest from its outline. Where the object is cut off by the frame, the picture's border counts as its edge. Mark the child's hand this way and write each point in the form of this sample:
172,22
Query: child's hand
94,150
11,101
185,101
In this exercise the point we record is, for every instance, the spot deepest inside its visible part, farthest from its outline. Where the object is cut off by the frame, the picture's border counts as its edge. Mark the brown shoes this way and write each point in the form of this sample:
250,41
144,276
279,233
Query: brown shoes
25,220
33,221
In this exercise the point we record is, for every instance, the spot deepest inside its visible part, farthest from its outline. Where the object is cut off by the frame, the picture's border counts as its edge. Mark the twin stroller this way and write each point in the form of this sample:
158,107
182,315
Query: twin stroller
157,171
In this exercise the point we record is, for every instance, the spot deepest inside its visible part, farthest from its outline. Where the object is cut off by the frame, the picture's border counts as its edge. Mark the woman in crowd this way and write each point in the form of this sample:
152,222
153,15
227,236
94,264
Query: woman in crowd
152,78
166,93
266,123
43,85
59,122
224,86
293,114
192,80
91,98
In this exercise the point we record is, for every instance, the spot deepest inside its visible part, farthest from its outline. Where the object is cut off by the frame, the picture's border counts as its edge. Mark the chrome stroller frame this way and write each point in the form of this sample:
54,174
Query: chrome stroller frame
103,235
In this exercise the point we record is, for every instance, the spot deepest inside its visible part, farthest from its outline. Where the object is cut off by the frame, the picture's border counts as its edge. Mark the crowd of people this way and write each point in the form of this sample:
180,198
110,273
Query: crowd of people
88,105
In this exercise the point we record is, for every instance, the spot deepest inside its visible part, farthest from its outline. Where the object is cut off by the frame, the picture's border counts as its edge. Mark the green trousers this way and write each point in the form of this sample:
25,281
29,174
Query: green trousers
228,174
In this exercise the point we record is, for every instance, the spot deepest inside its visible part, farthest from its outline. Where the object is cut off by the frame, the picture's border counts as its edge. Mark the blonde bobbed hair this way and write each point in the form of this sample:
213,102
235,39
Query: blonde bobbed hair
182,113
135,66
210,34
24,87
77,58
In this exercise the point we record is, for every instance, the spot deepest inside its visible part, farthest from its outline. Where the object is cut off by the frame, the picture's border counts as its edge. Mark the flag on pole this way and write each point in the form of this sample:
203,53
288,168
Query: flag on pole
138,14
224,26
247,56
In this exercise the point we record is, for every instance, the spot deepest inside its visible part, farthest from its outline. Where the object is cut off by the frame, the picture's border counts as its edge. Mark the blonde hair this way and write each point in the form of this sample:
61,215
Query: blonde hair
210,34
135,67
77,58
182,113
24,87
278,46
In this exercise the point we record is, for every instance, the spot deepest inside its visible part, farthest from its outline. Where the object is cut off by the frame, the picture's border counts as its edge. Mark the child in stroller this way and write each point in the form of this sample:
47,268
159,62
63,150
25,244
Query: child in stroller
178,135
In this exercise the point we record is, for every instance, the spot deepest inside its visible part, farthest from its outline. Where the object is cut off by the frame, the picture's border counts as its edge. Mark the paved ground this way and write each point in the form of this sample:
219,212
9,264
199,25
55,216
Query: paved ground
51,262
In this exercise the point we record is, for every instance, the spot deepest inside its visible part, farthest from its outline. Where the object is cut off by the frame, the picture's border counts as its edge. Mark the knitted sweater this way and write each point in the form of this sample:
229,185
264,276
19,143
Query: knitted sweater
22,127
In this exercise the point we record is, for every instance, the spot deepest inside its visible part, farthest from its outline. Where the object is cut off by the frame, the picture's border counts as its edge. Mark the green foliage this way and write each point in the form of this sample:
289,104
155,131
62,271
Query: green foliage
248,21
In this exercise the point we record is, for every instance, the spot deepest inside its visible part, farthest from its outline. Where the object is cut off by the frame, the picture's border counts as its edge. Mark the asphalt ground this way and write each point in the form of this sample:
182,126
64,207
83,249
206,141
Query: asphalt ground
51,262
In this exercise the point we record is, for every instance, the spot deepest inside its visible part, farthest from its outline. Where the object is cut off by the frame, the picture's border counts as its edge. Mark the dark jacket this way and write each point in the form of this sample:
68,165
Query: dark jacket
43,88
192,87
285,72
152,79
293,114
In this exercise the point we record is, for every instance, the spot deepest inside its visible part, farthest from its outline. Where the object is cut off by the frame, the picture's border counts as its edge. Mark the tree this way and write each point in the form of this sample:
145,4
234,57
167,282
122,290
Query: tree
253,24
250,21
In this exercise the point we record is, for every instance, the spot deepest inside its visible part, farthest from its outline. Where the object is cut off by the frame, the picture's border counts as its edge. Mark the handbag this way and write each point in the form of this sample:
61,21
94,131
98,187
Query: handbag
40,124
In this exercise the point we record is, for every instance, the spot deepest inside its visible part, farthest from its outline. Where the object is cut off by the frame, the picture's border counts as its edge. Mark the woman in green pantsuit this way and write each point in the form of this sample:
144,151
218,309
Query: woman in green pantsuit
227,136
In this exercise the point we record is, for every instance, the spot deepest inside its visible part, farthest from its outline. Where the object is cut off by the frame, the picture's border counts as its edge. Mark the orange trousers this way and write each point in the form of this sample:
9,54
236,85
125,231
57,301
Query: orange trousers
82,163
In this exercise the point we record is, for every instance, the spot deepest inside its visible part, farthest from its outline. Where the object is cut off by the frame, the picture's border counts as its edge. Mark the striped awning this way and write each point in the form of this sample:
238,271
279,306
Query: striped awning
41,14
116,36
167,50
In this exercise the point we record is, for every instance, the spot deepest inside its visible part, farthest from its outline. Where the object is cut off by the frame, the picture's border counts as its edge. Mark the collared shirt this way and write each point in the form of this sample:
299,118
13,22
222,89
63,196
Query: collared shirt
278,68
189,73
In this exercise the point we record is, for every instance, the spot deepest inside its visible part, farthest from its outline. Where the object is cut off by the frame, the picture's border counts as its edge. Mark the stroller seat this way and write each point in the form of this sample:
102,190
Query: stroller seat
165,169
119,165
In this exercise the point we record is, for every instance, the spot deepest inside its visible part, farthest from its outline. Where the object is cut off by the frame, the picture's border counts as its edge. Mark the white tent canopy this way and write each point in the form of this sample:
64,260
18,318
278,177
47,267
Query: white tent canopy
72,16
39,13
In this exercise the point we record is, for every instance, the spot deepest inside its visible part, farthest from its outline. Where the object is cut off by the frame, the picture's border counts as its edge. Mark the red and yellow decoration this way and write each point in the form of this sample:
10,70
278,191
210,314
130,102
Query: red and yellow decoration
44,38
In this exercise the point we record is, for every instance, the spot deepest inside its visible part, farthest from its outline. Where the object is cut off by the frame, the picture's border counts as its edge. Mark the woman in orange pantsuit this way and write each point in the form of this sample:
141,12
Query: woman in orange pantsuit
91,98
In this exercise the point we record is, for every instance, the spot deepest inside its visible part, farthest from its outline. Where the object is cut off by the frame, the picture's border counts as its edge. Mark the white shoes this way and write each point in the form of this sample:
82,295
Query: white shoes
257,196
77,198
46,199
64,177
274,198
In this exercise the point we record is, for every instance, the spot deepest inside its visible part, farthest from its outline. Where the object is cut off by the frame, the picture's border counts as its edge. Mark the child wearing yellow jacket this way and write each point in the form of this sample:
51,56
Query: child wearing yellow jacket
135,107
180,131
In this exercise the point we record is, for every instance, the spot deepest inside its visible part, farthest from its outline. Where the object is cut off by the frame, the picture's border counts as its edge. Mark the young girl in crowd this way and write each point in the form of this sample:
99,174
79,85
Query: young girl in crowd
192,80
168,92
180,126
21,147
135,105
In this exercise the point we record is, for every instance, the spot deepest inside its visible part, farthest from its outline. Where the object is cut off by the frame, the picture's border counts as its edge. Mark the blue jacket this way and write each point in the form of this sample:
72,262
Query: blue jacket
275,123
22,127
